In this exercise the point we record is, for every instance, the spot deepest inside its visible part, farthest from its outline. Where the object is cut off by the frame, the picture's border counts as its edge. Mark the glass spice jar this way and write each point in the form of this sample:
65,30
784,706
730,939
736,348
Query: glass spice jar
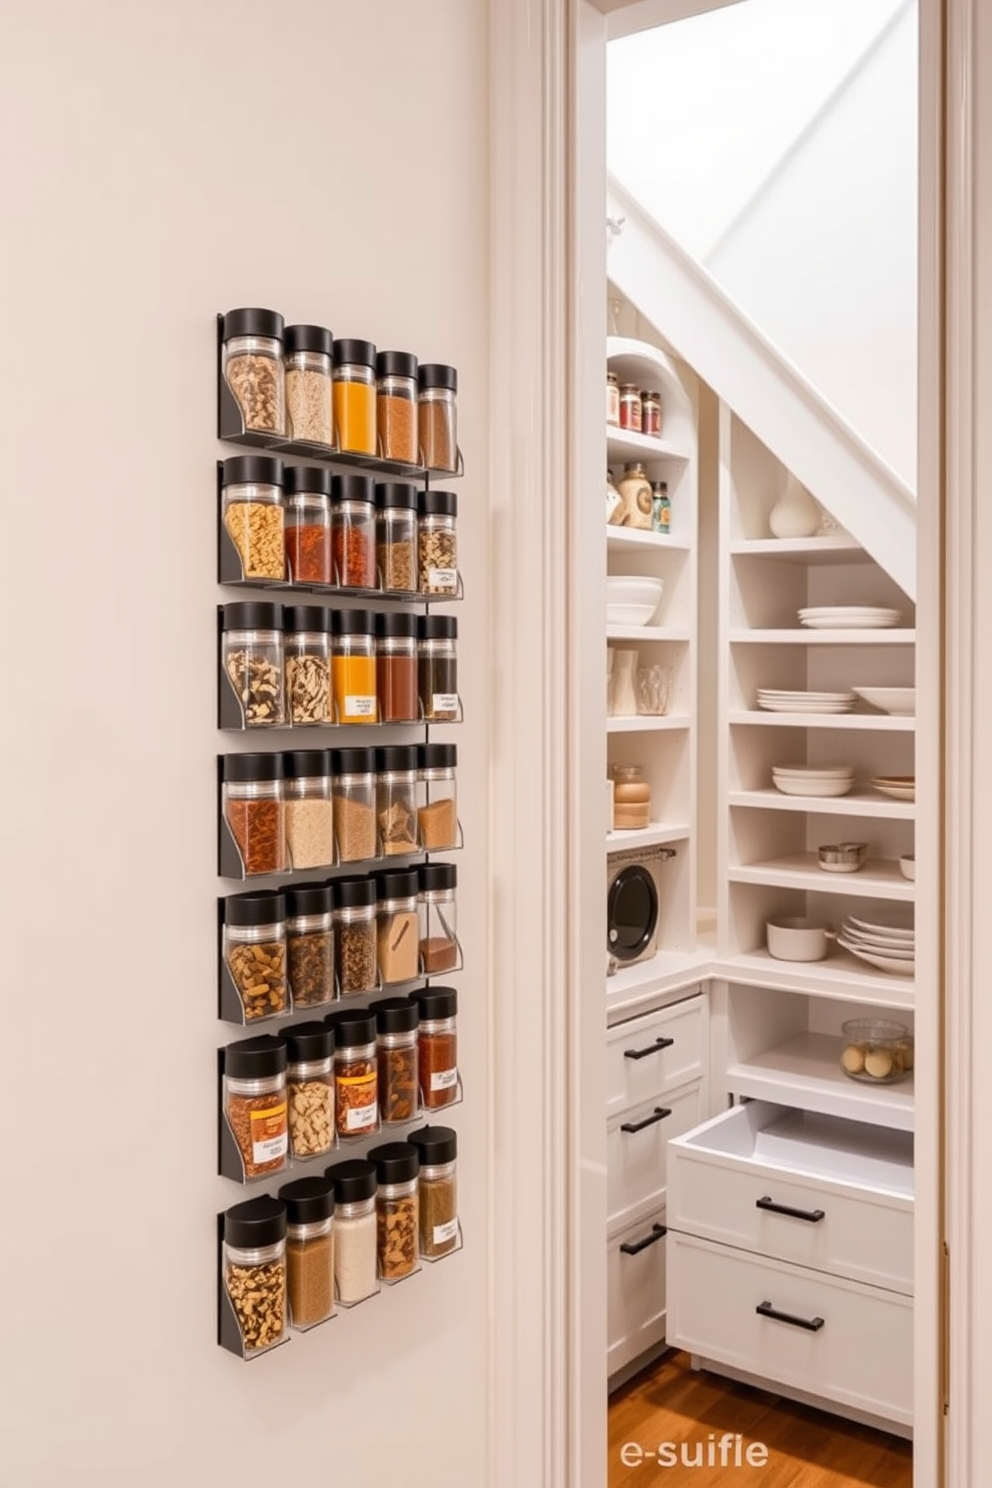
252,650
437,1148
396,406
397,1171
353,666
439,950
353,531
354,396
437,1045
309,1249
353,795
630,407
254,1263
437,801
354,935
355,1266
396,667
307,516
356,1085
397,926
307,352
651,413
254,949
310,1089
307,645
252,366
396,798
437,417
309,811
437,668
612,400
396,1044
253,805
310,944
396,536
252,511
437,542
254,1077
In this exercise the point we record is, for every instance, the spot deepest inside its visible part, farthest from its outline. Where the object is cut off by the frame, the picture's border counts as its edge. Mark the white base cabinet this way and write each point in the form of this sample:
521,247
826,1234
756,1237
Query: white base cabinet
635,1278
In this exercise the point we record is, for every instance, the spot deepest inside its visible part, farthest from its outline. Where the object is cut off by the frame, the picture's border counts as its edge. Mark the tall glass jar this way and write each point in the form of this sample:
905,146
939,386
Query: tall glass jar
438,927
651,412
437,542
396,798
396,536
310,944
308,664
308,384
396,405
355,1268
354,935
254,810
353,666
309,1249
253,662
438,419
630,407
397,1170
309,811
251,504
254,1072
310,1089
396,667
353,790
354,396
254,947
252,365
612,400
396,1021
437,668
353,531
397,926
437,799
437,1147
307,504
254,1261
356,1084
437,1045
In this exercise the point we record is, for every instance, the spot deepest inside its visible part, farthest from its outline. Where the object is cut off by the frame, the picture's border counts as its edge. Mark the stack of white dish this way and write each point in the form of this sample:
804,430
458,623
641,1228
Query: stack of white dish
891,948
848,617
899,787
775,701
631,599
813,780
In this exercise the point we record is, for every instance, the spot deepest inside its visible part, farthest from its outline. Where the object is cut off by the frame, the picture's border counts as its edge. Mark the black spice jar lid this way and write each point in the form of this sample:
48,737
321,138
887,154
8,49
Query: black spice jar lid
437,628
252,615
396,364
437,375
255,1058
435,1002
305,764
438,504
398,884
396,494
299,618
266,907
352,761
309,899
353,487
252,470
395,1015
354,893
307,479
308,338
394,757
353,622
395,1162
348,352
434,876
309,1041
351,1028
435,1144
395,623
437,756
255,1224
253,322
308,1200
354,1180
249,767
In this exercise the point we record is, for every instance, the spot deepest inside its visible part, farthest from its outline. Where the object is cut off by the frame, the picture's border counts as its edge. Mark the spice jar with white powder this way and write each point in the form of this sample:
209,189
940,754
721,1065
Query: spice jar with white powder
307,351
355,1270
309,812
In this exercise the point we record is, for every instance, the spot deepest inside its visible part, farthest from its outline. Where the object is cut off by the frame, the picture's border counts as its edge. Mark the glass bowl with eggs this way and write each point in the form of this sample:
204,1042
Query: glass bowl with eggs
876,1051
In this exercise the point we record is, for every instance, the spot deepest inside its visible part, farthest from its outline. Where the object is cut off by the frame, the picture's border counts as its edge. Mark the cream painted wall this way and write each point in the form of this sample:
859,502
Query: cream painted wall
165,162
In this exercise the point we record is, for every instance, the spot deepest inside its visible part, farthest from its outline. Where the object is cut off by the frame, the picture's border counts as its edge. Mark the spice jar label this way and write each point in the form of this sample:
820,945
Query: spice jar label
357,1117
359,706
445,1232
269,1133
445,702
442,578
444,1079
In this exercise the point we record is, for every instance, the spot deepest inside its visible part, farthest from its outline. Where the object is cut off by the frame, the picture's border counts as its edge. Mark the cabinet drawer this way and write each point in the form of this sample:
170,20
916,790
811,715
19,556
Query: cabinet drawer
850,1187
655,1053
636,1158
860,1354
635,1280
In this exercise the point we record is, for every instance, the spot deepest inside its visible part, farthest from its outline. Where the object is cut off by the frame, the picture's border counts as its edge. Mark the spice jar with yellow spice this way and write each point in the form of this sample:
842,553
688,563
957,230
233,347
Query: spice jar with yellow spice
354,396
353,666
396,406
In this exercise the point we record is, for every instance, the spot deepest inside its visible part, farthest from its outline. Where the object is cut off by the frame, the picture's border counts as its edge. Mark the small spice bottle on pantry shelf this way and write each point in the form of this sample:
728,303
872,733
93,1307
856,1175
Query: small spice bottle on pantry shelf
254,940
396,798
309,812
251,505
439,949
307,644
651,413
254,1260
437,668
354,935
355,1268
396,536
612,400
254,1077
254,810
310,1089
354,396
353,795
396,405
353,531
307,354
437,1045
356,1085
437,1147
630,407
396,1020
397,1171
309,1249
437,542
310,943
437,799
661,517
631,798
252,646
307,508
638,498
252,365
397,926
353,666
438,418
396,667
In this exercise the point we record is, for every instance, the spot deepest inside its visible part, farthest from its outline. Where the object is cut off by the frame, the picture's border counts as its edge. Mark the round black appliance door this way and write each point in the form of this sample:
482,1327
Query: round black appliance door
631,912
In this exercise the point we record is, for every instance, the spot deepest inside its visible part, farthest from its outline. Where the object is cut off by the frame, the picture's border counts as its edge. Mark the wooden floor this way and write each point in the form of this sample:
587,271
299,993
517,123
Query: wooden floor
806,1449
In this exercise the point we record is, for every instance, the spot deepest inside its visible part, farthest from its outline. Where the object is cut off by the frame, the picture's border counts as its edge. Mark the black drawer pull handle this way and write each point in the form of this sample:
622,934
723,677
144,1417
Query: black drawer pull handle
812,1216
812,1325
655,1048
658,1114
658,1232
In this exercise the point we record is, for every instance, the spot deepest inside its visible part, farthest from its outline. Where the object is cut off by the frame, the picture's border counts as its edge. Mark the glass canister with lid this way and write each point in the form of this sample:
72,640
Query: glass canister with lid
437,417
254,1266
631,798
310,944
309,1249
355,935
252,643
309,810
437,1045
310,1089
353,788
397,926
437,542
355,1267
396,798
307,506
353,666
396,667
356,1083
397,1171
307,350
252,510
353,531
439,950
253,805
437,668
396,536
437,1147
254,1080
437,799
254,950
396,405
252,366
354,396
307,644
396,1020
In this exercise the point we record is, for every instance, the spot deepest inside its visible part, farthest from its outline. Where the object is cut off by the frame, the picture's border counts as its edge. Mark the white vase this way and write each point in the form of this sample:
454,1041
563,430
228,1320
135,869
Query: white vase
623,697
795,514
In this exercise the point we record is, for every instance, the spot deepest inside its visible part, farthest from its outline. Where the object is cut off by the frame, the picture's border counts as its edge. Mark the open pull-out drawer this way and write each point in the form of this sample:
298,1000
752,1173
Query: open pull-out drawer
830,1194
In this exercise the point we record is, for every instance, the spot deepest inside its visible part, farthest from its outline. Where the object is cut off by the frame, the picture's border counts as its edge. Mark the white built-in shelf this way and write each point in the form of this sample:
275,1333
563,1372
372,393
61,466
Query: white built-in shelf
857,803
624,446
647,633
666,971
891,722
643,723
625,538
655,835
841,977
833,548
806,1072
878,879
802,636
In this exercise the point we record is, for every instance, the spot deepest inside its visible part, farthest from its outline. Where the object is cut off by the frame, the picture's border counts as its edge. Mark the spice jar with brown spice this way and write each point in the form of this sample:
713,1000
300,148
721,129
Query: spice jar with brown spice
252,512
396,667
437,799
396,798
438,420
355,1268
254,1265
253,805
254,1098
396,405
309,811
356,1081
353,531
437,668
355,935
437,542
396,1020
353,795
252,659
308,665
310,944
397,1169
309,1249
252,366
307,517
437,1147
437,1045
439,949
396,536
310,1089
397,926
307,350
254,949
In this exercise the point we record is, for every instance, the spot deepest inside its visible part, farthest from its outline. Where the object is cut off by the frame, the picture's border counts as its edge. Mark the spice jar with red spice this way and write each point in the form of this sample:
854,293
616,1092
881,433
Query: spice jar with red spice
437,1045
253,806
353,531
396,667
307,519
255,1107
396,406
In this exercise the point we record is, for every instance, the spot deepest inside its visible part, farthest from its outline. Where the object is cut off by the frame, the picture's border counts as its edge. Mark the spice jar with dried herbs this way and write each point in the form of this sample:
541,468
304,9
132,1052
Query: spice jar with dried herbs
308,664
309,1249
396,667
397,1171
254,1078
251,505
309,811
310,944
396,1021
437,1147
397,926
396,536
396,798
354,396
356,1083
353,666
310,1089
355,1267
354,935
437,800
252,366
253,806
353,531
307,351
437,668
307,508
439,950
438,420
437,542
252,658
254,949
254,1262
437,1045
396,405
353,795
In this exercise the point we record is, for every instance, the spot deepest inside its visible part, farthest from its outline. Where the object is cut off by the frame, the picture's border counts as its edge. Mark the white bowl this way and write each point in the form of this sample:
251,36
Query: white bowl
907,866
794,938
631,599
899,701
791,785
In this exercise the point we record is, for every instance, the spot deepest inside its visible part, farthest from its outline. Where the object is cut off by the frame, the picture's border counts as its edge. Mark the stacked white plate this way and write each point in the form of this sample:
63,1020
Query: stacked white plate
890,948
774,700
848,617
813,780
899,787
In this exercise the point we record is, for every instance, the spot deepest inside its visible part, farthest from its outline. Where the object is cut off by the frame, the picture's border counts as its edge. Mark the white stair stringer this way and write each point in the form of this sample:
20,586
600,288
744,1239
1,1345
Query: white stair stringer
764,389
